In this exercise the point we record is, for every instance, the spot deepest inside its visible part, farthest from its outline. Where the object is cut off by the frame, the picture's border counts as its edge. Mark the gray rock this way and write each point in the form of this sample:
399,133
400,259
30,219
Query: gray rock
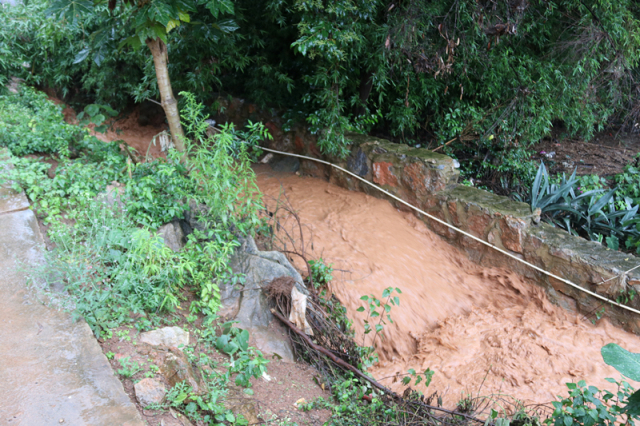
357,163
247,303
167,336
173,235
192,216
286,164
149,391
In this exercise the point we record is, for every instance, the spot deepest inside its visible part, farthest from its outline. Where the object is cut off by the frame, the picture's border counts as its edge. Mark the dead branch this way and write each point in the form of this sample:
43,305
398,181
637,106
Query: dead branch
339,362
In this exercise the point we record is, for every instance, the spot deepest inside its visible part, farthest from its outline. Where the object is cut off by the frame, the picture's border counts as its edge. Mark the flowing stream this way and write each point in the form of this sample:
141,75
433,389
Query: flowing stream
483,330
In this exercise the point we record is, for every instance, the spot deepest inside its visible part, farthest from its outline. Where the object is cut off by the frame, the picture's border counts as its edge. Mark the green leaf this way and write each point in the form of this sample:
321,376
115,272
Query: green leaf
627,363
360,309
98,119
82,55
92,109
184,17
633,405
133,41
173,23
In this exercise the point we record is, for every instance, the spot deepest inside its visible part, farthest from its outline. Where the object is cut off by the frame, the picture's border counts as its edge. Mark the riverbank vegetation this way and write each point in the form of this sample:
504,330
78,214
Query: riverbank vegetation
482,80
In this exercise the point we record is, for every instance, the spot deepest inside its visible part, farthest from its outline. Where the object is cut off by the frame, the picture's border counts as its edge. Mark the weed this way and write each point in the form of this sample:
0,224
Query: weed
129,368
321,273
246,361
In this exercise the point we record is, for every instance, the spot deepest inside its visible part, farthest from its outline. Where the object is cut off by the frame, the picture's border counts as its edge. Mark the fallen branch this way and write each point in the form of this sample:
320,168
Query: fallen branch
445,144
360,374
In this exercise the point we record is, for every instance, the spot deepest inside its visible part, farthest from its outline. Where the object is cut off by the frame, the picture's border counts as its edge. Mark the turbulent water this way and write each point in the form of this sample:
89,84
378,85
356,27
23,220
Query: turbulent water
482,330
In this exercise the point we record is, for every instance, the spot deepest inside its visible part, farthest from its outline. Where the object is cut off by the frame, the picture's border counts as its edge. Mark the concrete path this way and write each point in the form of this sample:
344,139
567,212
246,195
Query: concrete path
52,370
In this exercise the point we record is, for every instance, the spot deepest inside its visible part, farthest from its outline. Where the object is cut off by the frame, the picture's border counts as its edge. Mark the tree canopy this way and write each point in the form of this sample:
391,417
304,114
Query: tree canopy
493,75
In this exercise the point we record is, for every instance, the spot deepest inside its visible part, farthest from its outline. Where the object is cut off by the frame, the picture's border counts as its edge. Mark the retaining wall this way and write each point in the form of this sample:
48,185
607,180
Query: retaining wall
428,180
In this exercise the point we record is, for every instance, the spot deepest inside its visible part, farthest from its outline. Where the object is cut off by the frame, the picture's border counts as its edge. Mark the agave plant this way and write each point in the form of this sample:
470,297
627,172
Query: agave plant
591,214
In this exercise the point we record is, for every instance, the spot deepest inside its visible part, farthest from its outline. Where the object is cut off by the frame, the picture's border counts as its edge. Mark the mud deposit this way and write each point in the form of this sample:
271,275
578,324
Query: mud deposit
482,330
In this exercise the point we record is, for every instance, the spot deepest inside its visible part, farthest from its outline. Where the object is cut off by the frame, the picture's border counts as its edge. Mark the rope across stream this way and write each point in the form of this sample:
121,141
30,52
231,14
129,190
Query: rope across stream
442,222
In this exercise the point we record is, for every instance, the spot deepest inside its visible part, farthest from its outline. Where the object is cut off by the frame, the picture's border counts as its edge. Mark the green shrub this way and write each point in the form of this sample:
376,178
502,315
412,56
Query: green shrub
321,273
108,258
155,193
30,123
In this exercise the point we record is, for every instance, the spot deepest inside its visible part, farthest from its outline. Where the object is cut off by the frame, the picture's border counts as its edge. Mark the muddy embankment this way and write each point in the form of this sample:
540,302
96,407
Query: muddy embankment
482,330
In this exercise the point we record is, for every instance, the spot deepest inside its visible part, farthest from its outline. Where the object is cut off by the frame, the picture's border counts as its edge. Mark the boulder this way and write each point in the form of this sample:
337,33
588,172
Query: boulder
173,235
149,391
247,303
192,217
167,336
285,164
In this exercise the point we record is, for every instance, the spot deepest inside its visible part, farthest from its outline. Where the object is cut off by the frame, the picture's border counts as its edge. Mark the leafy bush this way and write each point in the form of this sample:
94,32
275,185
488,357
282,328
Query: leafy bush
30,123
108,258
246,362
155,193
112,268
321,273
589,406
628,364
431,71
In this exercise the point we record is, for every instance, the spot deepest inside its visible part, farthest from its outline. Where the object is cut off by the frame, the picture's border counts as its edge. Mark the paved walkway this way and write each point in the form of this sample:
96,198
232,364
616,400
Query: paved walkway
52,370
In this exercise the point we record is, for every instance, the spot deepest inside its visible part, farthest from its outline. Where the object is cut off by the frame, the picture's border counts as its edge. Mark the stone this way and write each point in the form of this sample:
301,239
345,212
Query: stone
414,176
193,215
298,144
172,235
248,305
512,233
357,163
240,403
175,368
149,391
167,336
383,174
285,164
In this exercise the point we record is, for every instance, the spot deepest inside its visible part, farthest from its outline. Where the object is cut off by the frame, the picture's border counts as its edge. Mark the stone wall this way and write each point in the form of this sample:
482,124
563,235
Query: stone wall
428,180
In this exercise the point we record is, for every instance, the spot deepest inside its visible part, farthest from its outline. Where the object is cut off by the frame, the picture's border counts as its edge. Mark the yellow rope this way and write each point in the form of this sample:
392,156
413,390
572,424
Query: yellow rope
537,268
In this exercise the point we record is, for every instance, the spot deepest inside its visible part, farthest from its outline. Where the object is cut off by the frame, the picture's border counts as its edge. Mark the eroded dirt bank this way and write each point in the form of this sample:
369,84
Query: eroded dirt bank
480,329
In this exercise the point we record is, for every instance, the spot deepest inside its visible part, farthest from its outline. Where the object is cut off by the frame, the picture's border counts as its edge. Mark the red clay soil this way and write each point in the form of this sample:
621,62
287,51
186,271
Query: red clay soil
126,128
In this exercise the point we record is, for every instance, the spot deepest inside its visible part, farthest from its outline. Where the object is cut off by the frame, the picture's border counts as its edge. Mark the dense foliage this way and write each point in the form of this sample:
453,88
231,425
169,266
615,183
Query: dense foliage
493,76
110,246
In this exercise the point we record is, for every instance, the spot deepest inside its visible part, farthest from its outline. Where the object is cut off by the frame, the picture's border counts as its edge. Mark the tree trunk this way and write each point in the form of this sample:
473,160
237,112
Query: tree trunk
169,103
366,84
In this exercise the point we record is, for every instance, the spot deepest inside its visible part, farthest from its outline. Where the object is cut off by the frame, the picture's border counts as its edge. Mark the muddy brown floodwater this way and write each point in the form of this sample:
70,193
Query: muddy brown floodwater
482,330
